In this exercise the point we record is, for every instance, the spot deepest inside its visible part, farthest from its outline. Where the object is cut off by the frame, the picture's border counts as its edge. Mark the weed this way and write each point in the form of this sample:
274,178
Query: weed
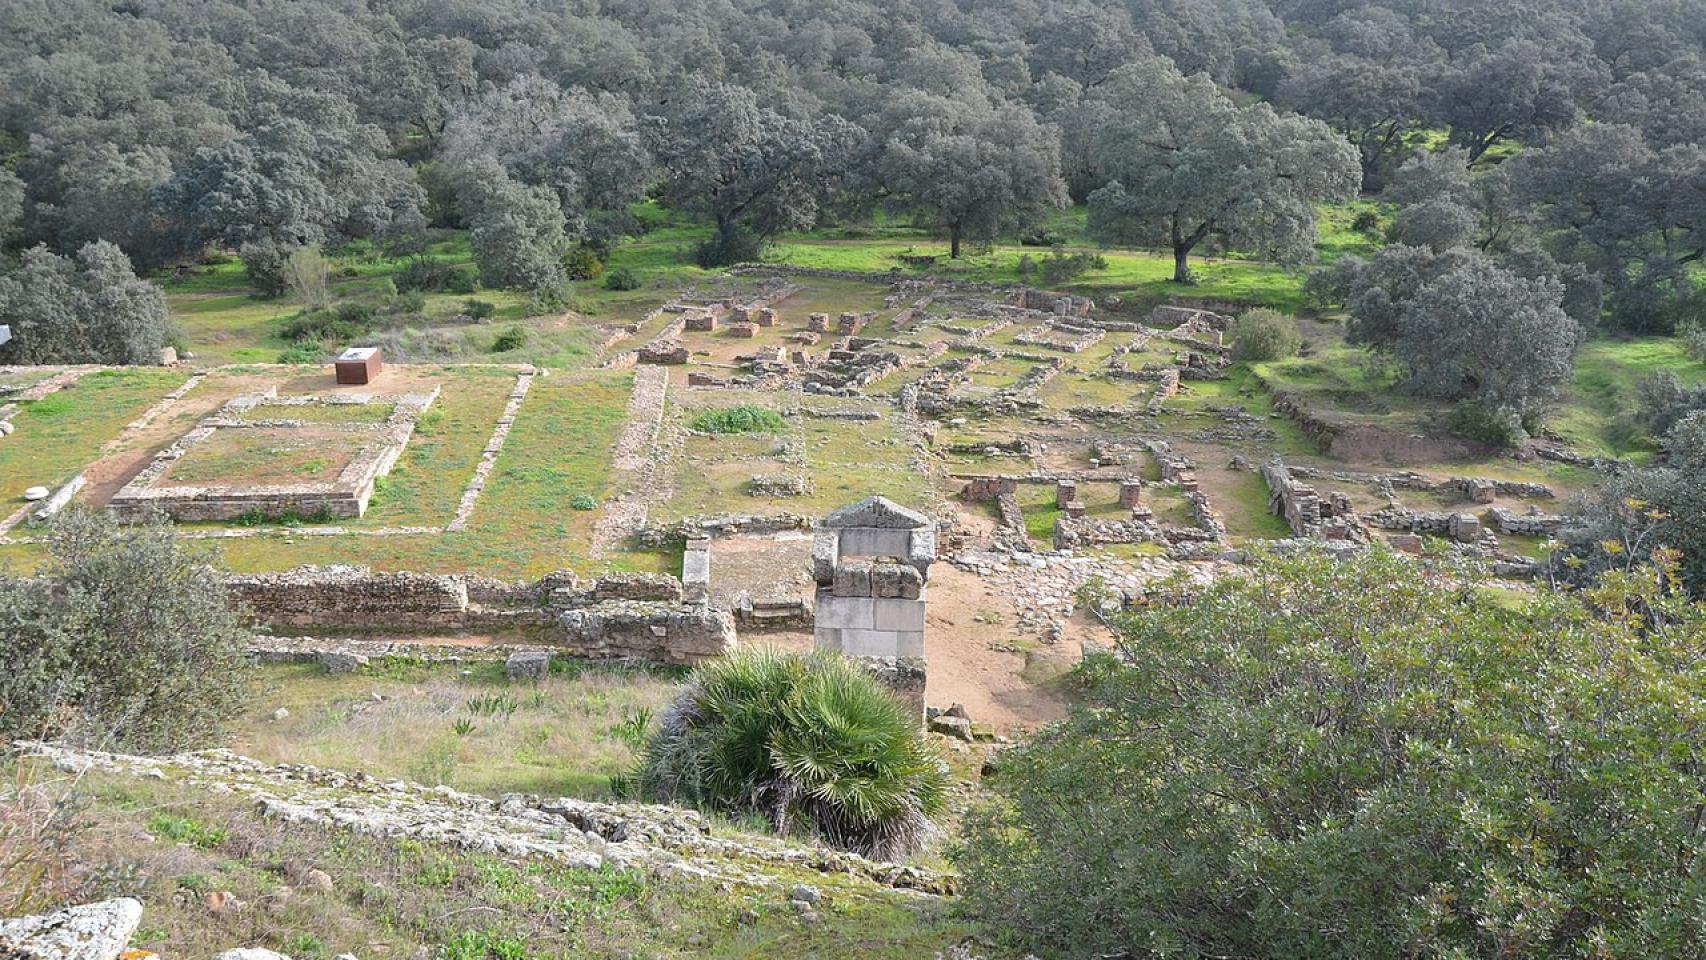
745,418
481,945
492,705
463,726
186,830
634,727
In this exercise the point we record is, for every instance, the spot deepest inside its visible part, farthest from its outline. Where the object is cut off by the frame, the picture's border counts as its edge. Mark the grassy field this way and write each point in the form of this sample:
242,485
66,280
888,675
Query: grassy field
525,524
61,433
222,320
566,736
1595,418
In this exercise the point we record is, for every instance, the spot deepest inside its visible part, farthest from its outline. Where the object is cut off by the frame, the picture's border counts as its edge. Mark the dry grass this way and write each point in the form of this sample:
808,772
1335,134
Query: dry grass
181,851
564,737
38,822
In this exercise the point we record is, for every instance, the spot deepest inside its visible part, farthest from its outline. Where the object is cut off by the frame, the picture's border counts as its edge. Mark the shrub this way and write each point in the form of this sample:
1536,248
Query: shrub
1693,336
1358,760
744,418
434,276
810,742
463,280
583,501
268,267
408,301
1262,335
479,309
345,321
1366,222
1059,268
126,638
1498,426
622,278
513,338
728,247
303,352
582,263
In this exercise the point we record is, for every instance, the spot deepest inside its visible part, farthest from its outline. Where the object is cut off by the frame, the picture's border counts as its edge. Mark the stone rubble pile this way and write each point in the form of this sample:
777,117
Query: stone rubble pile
1045,588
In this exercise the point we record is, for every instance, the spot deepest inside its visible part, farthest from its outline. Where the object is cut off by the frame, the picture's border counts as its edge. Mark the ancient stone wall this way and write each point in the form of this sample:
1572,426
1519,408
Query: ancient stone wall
643,616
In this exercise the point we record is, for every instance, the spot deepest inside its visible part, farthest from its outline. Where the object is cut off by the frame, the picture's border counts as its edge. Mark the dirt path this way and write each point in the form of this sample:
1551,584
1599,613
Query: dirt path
975,661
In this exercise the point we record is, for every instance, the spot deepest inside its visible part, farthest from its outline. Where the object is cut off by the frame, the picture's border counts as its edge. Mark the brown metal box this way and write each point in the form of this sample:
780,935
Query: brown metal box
359,365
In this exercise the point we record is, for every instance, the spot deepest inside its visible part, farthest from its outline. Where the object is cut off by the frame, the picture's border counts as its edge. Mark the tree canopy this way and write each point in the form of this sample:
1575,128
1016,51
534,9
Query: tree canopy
1359,760
1183,164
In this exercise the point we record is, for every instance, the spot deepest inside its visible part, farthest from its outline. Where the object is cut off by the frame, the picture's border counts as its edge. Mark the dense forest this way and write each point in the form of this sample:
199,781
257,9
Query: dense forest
165,127
1542,160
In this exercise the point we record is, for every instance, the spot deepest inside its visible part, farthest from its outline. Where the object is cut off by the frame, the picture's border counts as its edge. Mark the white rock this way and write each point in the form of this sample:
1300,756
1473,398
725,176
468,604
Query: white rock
5,428
251,953
280,714
95,931
36,493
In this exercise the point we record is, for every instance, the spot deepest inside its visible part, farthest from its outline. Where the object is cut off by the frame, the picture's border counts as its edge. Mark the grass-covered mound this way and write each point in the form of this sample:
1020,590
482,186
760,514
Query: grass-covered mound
745,418
810,742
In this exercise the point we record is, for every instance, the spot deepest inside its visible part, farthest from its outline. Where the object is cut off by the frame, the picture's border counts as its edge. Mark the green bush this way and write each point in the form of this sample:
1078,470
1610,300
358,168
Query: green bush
622,278
1498,426
408,301
582,263
1366,222
1262,335
729,247
583,501
435,276
479,309
266,265
513,338
1693,336
810,742
745,418
1358,760
1060,268
125,638
303,352
342,322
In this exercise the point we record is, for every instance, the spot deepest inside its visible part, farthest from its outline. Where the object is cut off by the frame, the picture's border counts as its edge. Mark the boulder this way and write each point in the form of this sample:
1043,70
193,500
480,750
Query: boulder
251,953
336,661
957,728
532,665
95,931
37,493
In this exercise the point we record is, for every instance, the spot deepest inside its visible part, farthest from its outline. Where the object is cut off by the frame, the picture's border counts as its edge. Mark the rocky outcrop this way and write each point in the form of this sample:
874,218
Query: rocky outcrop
655,840
96,931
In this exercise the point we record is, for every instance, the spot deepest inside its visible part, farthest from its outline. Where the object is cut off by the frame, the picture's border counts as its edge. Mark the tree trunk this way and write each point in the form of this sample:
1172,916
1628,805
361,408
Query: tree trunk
1182,264
954,241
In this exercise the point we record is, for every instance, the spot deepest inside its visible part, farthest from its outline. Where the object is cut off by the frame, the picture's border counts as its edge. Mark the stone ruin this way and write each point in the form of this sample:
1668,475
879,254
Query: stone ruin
373,449
651,617
1306,511
871,561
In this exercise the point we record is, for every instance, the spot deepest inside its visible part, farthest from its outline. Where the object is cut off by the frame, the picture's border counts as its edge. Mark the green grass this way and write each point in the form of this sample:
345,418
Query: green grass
1594,417
524,525
564,737
745,418
62,433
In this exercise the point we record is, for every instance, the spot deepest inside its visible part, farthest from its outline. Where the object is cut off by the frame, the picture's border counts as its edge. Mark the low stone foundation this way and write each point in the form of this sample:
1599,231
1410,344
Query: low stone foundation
640,616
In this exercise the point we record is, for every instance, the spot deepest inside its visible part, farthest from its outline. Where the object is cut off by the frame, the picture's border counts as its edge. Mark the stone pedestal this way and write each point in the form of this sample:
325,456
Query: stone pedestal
1065,491
1131,493
871,561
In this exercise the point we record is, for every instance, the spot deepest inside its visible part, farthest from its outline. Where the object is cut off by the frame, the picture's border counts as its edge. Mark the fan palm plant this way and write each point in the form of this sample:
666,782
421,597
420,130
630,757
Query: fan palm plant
809,741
